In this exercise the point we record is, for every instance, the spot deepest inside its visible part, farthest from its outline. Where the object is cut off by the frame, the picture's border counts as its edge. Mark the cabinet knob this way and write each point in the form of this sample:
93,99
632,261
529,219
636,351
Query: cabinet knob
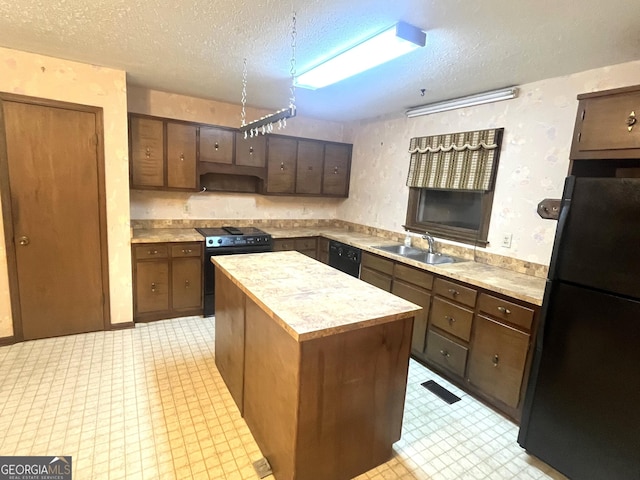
250,150
152,252
449,319
454,292
335,170
24,241
281,165
182,157
153,287
445,354
148,152
186,284
504,310
495,360
631,121
216,146
186,251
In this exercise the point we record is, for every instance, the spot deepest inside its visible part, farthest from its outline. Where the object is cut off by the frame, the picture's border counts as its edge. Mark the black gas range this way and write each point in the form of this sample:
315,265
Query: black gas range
228,241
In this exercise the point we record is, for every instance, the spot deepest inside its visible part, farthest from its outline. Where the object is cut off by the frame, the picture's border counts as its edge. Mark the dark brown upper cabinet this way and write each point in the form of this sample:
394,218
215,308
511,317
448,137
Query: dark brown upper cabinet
606,137
147,152
307,167
251,151
337,169
162,153
216,145
181,156
281,165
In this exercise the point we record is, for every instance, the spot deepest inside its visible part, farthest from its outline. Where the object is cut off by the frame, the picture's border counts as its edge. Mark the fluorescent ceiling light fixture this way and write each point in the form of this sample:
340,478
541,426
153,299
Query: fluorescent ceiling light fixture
391,43
469,101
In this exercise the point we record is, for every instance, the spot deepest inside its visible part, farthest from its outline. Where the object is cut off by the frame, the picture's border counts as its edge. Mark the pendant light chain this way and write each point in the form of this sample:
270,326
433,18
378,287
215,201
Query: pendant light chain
292,99
243,114
279,118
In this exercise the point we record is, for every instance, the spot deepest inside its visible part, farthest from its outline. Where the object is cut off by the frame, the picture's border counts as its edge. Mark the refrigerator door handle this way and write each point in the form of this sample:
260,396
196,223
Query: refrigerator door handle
565,206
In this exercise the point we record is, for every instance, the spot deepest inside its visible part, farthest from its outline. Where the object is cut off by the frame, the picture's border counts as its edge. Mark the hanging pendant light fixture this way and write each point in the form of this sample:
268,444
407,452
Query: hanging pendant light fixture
279,118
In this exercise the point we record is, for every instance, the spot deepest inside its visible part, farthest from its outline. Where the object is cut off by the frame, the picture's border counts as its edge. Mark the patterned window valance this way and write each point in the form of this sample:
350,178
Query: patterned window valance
460,161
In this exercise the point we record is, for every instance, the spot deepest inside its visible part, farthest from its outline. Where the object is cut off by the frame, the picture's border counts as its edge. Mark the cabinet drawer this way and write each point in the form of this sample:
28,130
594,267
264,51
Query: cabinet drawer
413,275
497,360
282,244
151,250
446,353
305,244
375,278
455,291
507,311
451,318
186,250
377,263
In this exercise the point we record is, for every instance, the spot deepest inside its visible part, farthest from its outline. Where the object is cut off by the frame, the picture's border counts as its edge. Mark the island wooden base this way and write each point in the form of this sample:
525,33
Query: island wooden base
324,408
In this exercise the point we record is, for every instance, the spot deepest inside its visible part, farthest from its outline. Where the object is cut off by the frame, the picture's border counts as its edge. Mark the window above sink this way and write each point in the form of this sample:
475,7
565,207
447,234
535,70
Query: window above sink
451,182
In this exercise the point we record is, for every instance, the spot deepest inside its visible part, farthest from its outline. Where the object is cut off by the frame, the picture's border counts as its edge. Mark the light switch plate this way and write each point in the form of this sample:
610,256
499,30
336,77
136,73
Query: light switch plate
506,240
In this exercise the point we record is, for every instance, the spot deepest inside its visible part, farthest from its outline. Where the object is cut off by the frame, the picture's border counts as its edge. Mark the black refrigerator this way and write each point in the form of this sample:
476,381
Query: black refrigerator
582,407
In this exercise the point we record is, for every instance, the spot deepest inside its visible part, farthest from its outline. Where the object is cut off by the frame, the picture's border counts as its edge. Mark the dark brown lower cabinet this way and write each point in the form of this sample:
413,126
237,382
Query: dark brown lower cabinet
497,360
305,245
167,280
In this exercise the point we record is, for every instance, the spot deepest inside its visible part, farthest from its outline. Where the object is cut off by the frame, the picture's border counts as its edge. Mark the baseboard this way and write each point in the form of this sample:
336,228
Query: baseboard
122,326
4,341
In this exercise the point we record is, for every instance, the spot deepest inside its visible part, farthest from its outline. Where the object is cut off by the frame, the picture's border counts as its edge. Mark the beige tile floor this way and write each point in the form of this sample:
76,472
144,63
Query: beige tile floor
148,403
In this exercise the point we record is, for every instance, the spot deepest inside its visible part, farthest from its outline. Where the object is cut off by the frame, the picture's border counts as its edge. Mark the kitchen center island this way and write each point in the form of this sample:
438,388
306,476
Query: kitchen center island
316,362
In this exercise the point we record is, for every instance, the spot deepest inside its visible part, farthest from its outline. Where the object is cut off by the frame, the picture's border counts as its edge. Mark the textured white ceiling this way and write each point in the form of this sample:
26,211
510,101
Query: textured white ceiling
196,47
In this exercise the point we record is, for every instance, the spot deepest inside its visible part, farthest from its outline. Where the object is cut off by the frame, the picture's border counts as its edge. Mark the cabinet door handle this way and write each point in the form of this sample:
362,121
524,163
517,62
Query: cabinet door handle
153,287
335,170
449,319
282,166
454,292
186,251
216,146
445,354
250,150
631,121
504,310
186,284
182,157
152,252
495,360
148,152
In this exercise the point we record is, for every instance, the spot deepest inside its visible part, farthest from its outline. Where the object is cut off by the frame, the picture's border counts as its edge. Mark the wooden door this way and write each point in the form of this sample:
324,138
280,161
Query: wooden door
181,156
337,159
54,216
309,167
147,152
281,165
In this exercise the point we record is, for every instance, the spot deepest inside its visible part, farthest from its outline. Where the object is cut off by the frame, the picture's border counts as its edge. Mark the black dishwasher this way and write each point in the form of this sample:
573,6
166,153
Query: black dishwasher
345,258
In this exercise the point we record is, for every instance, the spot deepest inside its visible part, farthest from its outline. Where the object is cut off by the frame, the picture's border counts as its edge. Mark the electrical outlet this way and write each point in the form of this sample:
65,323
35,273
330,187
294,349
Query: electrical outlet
506,240
186,208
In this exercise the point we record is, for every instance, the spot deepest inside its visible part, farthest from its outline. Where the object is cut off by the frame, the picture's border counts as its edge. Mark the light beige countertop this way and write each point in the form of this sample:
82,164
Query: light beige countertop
500,280
310,299
162,235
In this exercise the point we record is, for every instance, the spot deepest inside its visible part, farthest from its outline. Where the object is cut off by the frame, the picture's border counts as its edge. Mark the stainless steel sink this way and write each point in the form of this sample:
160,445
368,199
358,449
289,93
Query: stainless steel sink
418,255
